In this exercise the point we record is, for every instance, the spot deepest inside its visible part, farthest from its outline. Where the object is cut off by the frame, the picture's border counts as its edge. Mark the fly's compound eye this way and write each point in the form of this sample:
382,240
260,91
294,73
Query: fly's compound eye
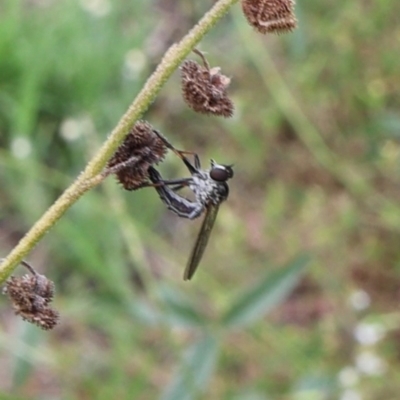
221,173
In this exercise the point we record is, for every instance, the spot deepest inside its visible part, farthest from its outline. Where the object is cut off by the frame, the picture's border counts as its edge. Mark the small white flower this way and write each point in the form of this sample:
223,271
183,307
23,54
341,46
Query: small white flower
348,377
350,394
135,62
368,333
360,300
73,128
21,147
98,8
370,363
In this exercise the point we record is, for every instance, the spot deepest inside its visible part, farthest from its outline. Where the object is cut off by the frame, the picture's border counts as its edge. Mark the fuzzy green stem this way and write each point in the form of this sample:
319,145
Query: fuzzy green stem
85,181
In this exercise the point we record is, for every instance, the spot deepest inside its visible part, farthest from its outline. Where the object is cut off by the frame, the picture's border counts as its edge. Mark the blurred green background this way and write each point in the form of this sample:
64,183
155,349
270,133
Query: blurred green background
297,295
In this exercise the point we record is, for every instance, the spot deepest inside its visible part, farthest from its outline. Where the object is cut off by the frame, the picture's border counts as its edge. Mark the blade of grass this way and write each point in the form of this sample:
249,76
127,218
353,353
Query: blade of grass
179,310
195,371
264,295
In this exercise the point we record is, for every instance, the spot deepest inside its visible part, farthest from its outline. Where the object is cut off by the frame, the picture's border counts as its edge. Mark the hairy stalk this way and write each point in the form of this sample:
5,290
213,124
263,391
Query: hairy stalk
88,178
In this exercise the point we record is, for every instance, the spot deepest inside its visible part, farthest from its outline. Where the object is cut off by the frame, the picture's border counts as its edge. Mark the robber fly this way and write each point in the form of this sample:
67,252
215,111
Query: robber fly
210,190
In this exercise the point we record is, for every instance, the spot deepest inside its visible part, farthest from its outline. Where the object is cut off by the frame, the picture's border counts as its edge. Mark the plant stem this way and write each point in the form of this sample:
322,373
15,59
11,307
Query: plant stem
170,62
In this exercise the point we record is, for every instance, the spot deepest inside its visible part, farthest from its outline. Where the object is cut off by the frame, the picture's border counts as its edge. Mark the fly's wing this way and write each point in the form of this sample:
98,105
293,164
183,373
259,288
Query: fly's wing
201,241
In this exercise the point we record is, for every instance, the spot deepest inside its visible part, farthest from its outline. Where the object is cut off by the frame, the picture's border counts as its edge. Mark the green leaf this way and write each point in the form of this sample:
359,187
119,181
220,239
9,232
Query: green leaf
179,310
195,371
265,294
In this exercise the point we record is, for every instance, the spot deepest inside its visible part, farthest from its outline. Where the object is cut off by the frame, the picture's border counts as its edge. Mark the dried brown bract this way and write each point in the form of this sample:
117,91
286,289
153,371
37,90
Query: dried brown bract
140,149
30,296
204,88
268,16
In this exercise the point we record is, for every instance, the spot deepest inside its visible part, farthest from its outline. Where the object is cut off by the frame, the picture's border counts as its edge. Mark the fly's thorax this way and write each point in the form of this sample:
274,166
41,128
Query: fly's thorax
207,190
220,193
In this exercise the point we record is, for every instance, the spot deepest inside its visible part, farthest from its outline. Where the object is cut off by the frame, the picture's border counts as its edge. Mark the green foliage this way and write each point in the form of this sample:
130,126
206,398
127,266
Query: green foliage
267,293
197,367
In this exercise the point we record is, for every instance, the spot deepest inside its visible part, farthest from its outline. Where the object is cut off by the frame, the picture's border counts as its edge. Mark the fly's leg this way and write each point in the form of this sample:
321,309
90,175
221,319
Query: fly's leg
157,180
122,165
197,211
180,182
178,204
181,154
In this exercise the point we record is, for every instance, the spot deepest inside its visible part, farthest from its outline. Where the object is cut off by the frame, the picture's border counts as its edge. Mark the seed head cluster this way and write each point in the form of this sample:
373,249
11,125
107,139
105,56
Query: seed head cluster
205,89
270,16
141,149
31,296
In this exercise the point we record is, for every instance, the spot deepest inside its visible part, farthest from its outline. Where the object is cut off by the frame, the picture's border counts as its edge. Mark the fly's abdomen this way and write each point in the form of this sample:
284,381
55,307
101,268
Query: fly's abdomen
178,204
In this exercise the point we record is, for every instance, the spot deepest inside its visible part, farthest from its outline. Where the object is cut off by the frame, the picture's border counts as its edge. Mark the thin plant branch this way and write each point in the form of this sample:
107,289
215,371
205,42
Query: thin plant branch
92,176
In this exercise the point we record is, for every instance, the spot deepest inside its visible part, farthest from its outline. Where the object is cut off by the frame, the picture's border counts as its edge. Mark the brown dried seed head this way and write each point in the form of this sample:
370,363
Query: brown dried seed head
204,89
140,149
19,290
219,81
30,295
24,290
268,16
46,318
44,288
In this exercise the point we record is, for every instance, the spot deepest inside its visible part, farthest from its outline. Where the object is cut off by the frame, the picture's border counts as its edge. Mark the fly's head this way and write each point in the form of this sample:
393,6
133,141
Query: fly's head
220,172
